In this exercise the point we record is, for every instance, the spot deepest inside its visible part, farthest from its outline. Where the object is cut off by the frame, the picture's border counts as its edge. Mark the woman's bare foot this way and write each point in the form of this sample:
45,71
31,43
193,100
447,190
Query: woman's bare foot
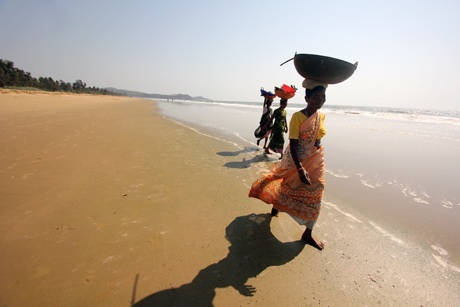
308,238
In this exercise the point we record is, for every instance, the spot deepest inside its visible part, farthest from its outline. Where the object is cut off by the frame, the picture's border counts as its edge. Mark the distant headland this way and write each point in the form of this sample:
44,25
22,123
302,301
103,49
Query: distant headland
157,96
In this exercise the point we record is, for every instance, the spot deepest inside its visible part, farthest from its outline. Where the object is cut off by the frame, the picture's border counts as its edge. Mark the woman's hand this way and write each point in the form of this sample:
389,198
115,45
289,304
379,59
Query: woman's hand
303,175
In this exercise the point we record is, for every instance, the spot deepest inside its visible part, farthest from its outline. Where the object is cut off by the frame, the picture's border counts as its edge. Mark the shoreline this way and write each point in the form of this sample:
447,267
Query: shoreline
123,206
374,168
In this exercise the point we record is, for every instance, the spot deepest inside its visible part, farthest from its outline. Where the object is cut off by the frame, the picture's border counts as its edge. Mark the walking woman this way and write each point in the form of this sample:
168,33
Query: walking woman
295,185
266,115
279,129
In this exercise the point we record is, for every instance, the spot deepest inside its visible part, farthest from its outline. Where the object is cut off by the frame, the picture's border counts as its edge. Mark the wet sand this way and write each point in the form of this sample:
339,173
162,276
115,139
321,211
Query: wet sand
104,202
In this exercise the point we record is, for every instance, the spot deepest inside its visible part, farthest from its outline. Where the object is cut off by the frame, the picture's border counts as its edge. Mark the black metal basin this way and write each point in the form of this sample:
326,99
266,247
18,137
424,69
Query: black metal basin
322,68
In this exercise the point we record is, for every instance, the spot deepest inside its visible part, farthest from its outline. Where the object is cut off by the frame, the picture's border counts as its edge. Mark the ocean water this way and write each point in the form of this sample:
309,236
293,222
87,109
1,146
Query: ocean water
398,169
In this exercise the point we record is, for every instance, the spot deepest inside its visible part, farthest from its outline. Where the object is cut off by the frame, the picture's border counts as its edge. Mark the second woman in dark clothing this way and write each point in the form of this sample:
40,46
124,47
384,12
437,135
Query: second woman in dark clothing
279,129
267,114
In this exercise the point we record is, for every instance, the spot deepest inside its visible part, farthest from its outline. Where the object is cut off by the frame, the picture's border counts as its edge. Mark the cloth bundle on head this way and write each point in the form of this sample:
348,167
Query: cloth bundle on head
311,84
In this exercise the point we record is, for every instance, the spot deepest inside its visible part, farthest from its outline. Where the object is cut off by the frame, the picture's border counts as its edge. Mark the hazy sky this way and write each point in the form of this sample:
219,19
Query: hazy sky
408,51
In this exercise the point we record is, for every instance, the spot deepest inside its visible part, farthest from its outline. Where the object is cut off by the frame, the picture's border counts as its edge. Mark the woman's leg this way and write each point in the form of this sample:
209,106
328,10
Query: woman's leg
280,151
308,238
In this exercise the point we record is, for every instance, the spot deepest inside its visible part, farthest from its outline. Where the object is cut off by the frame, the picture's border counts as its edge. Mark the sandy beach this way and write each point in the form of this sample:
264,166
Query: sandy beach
106,203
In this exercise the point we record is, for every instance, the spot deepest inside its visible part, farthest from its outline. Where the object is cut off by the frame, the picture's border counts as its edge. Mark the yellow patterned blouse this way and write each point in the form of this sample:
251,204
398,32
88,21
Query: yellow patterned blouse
298,118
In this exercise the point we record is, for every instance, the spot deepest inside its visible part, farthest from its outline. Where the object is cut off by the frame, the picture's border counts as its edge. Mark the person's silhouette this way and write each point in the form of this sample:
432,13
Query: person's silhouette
253,249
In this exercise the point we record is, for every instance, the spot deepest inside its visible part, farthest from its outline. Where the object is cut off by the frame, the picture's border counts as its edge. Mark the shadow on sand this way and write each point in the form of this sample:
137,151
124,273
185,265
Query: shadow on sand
253,249
236,153
245,163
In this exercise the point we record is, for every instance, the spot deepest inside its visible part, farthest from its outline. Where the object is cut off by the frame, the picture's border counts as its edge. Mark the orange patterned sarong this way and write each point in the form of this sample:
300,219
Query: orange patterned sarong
282,186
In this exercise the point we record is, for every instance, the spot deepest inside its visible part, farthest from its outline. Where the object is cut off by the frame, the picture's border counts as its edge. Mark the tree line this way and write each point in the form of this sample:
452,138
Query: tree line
12,77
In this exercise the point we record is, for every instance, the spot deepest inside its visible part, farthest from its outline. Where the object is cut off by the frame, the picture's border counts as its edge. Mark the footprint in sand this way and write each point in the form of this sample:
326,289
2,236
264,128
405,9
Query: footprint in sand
42,271
22,157
68,227
107,259
90,277
25,176
12,166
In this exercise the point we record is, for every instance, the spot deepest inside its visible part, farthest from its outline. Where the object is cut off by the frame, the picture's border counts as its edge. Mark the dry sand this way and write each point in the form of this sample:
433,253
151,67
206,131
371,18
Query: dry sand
106,203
